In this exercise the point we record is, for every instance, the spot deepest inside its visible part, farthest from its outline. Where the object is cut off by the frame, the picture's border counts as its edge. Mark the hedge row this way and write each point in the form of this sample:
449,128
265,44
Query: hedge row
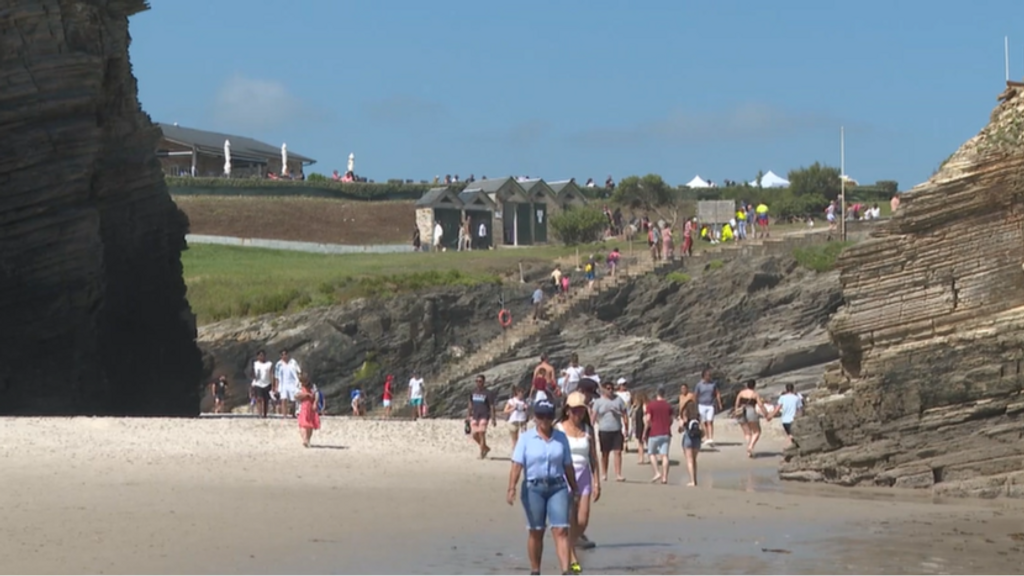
320,189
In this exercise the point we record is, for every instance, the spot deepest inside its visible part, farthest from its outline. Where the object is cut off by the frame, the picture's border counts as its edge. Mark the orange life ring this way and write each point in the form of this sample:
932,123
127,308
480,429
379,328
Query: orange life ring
505,318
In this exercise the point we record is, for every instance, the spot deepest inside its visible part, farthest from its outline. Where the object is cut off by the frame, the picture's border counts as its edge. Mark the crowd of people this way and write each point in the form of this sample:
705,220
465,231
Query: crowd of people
582,423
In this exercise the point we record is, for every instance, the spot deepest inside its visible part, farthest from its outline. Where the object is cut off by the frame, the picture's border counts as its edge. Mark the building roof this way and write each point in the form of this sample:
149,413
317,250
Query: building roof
213,143
558,185
432,198
491,185
476,199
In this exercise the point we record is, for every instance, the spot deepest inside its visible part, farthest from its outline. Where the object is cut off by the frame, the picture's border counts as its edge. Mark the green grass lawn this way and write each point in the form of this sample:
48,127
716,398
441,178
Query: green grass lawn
230,281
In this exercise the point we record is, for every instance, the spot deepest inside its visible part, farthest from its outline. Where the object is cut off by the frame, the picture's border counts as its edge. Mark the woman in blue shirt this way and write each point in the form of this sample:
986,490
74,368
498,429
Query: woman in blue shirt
548,487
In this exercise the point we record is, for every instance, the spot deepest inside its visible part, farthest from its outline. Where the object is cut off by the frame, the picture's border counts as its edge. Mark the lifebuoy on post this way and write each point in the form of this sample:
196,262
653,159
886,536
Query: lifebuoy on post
505,318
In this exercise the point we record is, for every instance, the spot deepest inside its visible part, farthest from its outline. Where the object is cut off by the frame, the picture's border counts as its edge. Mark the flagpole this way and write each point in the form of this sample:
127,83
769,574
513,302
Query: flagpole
842,179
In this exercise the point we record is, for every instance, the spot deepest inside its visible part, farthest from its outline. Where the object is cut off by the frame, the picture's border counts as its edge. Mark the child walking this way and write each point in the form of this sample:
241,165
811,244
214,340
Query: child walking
309,416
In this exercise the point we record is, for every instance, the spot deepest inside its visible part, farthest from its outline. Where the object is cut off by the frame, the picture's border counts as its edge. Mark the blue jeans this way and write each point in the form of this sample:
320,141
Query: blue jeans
546,502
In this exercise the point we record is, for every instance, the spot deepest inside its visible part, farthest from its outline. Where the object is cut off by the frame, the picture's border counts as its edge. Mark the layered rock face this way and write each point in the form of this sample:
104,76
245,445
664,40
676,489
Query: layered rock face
91,287
927,392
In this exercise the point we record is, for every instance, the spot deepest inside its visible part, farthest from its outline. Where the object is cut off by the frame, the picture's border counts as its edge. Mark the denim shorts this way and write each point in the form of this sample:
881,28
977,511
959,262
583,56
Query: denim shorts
546,504
691,442
658,445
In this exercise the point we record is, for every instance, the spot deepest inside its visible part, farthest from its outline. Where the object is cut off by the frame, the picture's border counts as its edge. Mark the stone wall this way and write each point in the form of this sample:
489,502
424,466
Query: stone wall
927,392
425,223
91,287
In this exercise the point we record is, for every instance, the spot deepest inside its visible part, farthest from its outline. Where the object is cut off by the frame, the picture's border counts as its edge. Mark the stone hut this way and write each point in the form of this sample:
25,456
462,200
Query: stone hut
543,203
439,205
188,151
479,209
568,193
512,209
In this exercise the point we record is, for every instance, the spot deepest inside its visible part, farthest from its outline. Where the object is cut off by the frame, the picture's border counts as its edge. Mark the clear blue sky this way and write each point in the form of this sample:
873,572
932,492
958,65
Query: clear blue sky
584,88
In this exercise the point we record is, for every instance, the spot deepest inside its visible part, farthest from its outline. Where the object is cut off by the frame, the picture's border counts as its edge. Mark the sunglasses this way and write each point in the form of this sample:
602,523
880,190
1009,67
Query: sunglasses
578,409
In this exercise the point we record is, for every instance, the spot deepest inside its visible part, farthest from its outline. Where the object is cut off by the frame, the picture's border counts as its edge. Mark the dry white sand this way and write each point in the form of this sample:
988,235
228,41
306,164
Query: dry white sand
240,495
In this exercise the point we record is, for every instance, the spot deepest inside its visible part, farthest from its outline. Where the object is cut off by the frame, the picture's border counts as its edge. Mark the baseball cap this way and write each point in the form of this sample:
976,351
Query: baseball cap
544,408
621,381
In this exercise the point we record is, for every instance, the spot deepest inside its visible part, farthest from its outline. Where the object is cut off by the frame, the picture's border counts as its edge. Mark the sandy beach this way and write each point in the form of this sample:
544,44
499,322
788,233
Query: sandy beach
240,495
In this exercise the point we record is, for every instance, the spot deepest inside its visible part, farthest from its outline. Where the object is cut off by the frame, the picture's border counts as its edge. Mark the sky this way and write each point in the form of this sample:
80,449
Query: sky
584,88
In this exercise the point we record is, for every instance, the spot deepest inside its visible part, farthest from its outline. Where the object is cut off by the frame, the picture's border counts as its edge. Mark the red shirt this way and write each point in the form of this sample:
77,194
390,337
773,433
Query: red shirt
661,418
387,389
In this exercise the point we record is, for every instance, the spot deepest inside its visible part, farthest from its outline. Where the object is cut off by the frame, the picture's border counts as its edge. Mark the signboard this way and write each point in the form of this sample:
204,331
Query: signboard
716,211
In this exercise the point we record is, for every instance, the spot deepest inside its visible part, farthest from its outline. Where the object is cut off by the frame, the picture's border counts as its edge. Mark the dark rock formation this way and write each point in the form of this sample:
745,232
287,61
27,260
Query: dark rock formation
91,287
354,345
927,392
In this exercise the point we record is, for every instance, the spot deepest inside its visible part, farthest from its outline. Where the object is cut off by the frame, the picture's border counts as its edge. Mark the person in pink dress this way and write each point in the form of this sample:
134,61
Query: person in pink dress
309,416
667,246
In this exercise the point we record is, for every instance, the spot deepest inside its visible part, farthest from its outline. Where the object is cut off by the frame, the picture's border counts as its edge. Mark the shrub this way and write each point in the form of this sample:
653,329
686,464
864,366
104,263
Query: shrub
315,187
715,264
578,225
820,257
677,277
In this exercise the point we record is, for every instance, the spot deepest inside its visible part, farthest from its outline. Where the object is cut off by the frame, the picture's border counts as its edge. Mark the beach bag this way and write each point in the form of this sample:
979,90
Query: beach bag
693,430
467,427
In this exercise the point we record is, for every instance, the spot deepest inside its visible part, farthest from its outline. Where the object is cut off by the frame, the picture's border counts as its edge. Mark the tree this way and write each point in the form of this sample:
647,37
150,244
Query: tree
760,176
815,179
578,225
650,194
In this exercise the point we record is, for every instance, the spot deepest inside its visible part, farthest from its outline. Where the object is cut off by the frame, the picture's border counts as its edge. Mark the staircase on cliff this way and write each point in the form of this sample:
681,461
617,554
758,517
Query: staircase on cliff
556,309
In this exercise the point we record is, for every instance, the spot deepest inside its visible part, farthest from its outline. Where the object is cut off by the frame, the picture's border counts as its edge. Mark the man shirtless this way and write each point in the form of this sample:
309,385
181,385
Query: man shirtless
543,378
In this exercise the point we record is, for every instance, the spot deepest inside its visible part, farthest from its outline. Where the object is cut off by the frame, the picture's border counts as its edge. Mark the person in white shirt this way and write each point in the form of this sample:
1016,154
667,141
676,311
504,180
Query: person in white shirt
438,235
623,392
262,380
286,381
572,374
515,409
481,235
790,405
416,396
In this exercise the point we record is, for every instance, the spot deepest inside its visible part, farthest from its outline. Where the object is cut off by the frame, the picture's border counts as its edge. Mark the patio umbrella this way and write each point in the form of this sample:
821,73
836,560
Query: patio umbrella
352,162
227,158
284,159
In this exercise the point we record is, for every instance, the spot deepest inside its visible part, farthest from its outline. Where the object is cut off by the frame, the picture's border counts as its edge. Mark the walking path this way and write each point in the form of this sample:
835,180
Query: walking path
313,247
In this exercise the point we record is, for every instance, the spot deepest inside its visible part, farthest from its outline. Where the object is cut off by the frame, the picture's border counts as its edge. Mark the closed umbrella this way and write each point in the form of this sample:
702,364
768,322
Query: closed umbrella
352,162
227,158
284,159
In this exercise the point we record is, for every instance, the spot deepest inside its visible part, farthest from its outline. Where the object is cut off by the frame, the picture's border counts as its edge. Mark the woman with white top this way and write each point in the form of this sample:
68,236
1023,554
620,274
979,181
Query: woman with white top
515,409
575,424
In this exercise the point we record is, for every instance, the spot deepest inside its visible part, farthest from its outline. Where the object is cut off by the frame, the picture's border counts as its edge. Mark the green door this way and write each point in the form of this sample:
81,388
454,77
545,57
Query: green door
450,220
524,218
508,211
540,222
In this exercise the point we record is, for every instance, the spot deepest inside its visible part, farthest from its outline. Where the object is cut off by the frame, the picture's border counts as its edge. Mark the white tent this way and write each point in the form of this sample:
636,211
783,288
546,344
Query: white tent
697,182
771,180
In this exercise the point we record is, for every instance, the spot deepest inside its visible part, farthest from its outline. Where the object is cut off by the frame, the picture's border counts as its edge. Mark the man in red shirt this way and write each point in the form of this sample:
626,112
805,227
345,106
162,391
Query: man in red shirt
658,432
387,395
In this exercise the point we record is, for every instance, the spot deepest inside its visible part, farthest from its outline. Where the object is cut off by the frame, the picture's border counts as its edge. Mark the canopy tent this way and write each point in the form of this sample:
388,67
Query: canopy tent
697,182
771,180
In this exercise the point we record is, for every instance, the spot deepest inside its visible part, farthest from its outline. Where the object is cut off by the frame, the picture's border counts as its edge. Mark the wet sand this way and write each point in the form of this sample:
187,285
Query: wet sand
240,495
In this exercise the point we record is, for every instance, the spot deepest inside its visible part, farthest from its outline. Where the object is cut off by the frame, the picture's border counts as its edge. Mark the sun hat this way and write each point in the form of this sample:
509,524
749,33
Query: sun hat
576,399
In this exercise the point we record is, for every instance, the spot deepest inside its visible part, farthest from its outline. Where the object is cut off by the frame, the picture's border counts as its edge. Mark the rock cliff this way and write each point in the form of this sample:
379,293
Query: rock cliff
91,289
927,392
760,317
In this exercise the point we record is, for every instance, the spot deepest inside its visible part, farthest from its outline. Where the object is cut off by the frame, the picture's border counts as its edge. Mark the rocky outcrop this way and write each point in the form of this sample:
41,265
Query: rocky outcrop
927,392
354,345
91,287
759,317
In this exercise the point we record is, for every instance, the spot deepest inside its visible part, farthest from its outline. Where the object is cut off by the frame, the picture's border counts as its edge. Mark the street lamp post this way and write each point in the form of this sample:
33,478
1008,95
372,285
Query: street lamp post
842,180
